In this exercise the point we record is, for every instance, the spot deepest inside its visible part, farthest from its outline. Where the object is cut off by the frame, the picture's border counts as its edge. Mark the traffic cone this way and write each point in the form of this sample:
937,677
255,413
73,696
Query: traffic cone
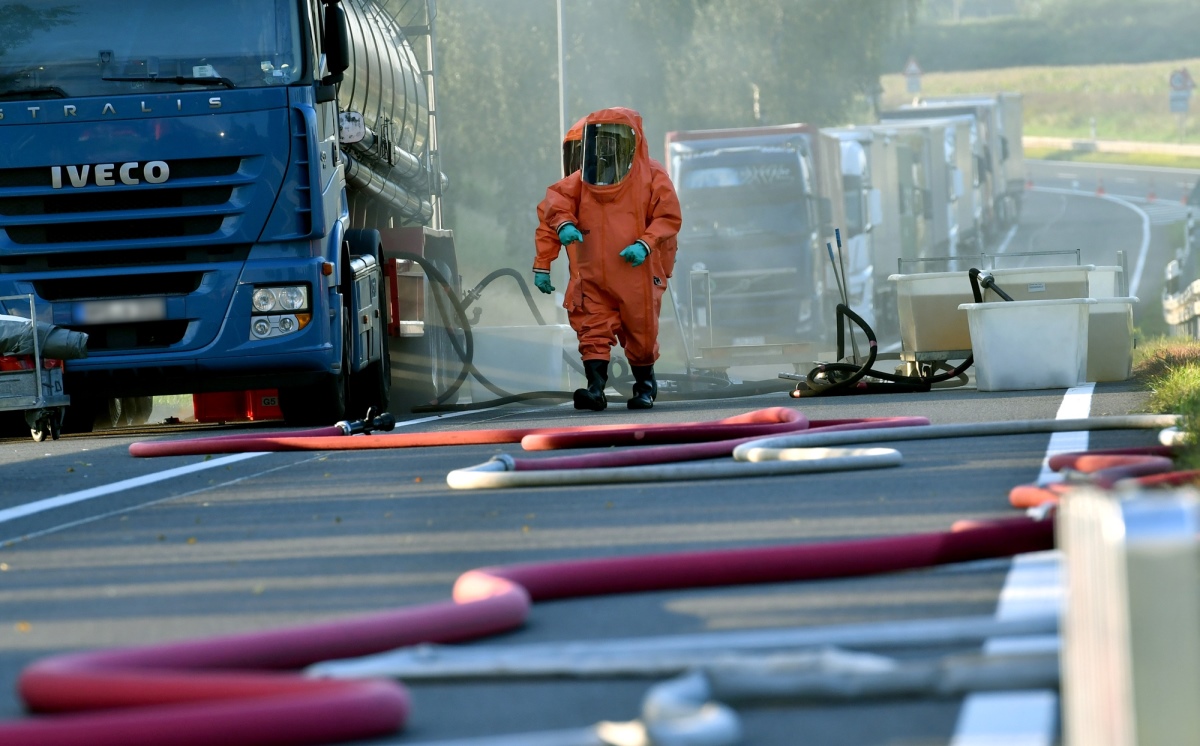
1151,196
1100,187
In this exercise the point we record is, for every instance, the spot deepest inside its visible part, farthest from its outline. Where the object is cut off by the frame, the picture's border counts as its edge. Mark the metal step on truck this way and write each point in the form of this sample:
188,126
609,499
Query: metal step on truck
228,196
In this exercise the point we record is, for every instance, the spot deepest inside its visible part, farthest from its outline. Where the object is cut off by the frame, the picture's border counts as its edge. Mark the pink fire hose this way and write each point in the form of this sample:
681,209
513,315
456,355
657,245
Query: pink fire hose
221,690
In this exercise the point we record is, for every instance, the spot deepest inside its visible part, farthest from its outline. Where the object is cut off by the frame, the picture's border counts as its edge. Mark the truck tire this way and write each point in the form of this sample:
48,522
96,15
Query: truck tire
323,402
83,412
371,388
132,411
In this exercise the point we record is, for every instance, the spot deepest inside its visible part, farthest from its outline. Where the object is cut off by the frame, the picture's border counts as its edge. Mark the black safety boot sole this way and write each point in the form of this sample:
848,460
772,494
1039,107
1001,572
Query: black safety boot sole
641,401
585,400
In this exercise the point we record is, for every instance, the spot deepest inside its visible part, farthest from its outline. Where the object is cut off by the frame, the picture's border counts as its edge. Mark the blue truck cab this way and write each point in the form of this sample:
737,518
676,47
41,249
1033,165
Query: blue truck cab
172,183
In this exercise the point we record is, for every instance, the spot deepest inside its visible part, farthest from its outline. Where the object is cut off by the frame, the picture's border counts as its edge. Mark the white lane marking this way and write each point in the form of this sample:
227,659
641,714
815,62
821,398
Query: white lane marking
1136,279
121,511
50,503
1033,586
40,506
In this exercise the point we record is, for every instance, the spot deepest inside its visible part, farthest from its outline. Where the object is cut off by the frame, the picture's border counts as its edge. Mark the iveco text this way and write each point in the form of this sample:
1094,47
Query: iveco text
107,174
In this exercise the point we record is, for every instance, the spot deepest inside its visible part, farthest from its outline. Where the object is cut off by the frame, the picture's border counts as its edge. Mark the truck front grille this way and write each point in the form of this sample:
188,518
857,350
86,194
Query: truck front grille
33,213
111,337
121,286
114,231
115,258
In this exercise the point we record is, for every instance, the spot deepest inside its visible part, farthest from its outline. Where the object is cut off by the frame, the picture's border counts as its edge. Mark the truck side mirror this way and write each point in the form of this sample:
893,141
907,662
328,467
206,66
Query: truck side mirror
336,42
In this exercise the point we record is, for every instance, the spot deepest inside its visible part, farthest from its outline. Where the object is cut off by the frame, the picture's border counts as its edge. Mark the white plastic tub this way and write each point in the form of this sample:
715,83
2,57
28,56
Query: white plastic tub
928,307
1041,283
1110,340
1104,282
1029,344
519,359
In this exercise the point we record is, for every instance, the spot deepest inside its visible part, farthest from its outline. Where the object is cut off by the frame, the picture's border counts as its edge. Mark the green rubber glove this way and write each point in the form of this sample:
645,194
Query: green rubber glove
635,253
542,280
569,234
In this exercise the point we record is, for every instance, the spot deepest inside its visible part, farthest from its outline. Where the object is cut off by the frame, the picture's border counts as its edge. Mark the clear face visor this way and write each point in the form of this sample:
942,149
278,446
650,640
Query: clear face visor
572,156
607,153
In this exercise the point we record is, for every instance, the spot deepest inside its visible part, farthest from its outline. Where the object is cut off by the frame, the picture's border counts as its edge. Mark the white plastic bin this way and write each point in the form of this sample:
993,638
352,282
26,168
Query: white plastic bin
1029,344
519,359
1041,283
928,307
1104,282
1110,340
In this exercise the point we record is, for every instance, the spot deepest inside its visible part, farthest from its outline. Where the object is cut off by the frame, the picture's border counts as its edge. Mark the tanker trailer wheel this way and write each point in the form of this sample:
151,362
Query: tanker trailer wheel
324,401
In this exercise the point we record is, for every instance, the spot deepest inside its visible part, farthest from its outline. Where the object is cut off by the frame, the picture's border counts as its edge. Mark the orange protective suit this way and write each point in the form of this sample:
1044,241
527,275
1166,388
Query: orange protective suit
607,299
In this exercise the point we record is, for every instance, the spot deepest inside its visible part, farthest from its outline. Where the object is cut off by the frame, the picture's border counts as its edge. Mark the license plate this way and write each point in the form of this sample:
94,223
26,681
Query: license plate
122,311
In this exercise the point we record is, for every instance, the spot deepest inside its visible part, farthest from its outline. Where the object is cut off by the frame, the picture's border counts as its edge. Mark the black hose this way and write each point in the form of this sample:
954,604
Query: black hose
477,292
466,351
836,379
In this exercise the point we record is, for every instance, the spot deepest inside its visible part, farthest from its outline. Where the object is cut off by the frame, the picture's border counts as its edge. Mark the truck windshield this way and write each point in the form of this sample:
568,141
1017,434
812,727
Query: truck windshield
756,195
68,48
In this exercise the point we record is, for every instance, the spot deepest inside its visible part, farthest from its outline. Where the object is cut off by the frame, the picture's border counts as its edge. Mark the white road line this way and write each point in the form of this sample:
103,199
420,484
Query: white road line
40,506
1033,586
1136,278
50,503
5,543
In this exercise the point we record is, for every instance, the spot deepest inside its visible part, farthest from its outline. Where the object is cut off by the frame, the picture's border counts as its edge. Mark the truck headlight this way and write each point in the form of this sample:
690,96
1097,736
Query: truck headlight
289,298
278,310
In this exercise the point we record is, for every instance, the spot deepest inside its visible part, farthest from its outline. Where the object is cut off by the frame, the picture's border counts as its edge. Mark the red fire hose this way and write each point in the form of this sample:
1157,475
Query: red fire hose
770,420
1148,466
220,690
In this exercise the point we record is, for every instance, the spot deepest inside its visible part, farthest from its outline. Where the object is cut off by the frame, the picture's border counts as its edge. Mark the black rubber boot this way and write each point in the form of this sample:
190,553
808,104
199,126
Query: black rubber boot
593,396
645,388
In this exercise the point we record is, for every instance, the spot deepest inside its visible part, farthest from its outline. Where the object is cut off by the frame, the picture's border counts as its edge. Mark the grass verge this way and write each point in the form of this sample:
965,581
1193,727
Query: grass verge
1126,101
1164,160
1170,368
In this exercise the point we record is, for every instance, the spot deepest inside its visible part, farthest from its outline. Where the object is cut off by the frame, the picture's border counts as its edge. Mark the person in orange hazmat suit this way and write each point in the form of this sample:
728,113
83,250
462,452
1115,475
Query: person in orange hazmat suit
618,217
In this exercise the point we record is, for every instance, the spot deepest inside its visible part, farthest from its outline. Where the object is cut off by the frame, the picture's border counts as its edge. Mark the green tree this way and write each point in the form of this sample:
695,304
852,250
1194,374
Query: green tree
683,64
808,59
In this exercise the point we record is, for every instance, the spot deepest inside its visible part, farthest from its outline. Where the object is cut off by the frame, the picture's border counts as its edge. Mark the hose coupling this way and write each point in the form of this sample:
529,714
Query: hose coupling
371,423
503,458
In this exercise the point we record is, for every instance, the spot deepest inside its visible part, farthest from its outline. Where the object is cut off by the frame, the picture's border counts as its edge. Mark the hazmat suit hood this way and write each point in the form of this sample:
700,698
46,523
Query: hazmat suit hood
639,171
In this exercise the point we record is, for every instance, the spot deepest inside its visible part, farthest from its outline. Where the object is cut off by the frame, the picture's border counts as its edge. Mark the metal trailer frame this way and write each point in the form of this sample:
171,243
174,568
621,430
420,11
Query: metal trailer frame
37,392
